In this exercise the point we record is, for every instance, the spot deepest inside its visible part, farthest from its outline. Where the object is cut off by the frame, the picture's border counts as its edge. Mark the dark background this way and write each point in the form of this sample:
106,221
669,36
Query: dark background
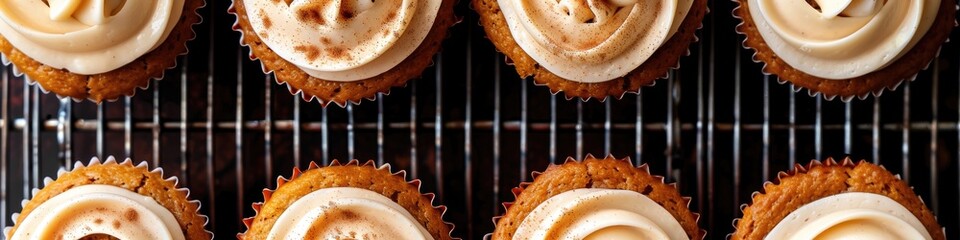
703,128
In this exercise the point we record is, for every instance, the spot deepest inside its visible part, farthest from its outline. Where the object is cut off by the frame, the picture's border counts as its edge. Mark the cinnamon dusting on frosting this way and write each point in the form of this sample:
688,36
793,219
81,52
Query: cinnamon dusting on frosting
333,220
312,52
371,36
592,41
338,53
346,10
266,20
131,215
311,13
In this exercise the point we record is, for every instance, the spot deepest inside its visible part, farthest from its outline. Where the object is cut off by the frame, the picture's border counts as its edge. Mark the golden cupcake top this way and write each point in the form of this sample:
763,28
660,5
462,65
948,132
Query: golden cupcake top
342,40
346,201
592,40
836,200
842,39
597,198
88,36
109,200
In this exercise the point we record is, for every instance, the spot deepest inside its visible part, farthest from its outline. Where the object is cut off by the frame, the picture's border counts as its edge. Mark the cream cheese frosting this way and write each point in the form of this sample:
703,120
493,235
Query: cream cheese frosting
99,209
343,40
593,214
88,36
853,215
346,213
592,40
842,39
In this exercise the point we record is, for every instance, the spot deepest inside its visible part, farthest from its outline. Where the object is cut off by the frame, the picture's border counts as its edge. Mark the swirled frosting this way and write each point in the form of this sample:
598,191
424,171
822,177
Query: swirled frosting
88,36
342,40
852,215
346,213
842,39
99,209
594,214
592,40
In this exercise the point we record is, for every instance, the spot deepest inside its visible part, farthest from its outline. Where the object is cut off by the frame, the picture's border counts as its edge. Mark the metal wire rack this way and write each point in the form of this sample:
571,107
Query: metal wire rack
472,130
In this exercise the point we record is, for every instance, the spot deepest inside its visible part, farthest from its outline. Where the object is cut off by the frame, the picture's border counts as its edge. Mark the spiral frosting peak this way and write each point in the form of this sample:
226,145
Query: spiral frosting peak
89,12
589,30
848,8
342,40
842,39
592,40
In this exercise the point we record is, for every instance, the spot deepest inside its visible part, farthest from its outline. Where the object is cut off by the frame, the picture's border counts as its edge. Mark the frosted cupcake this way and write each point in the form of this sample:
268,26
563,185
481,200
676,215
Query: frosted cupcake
833,200
343,52
845,48
346,201
597,199
97,50
110,200
592,49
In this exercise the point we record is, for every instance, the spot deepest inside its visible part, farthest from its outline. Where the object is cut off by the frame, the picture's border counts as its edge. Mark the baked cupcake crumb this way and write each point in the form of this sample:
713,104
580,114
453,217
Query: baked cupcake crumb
817,180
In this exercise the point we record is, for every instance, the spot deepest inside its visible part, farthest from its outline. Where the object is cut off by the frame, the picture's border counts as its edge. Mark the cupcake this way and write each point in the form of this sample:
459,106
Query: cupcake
346,201
597,199
845,48
97,50
343,52
833,200
592,49
109,200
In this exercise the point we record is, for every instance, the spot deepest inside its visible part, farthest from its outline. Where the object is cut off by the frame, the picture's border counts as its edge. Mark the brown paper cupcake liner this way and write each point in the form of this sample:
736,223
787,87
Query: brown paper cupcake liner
172,181
309,94
385,168
128,93
846,163
829,96
516,191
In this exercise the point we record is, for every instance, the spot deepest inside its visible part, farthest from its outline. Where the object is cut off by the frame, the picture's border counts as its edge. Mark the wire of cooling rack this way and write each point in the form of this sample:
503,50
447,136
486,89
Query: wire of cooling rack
470,128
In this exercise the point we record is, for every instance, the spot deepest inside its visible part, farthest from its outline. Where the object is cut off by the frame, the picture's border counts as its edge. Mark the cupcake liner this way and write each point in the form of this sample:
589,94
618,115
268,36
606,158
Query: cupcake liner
386,168
310,97
130,93
812,92
516,191
173,180
798,168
